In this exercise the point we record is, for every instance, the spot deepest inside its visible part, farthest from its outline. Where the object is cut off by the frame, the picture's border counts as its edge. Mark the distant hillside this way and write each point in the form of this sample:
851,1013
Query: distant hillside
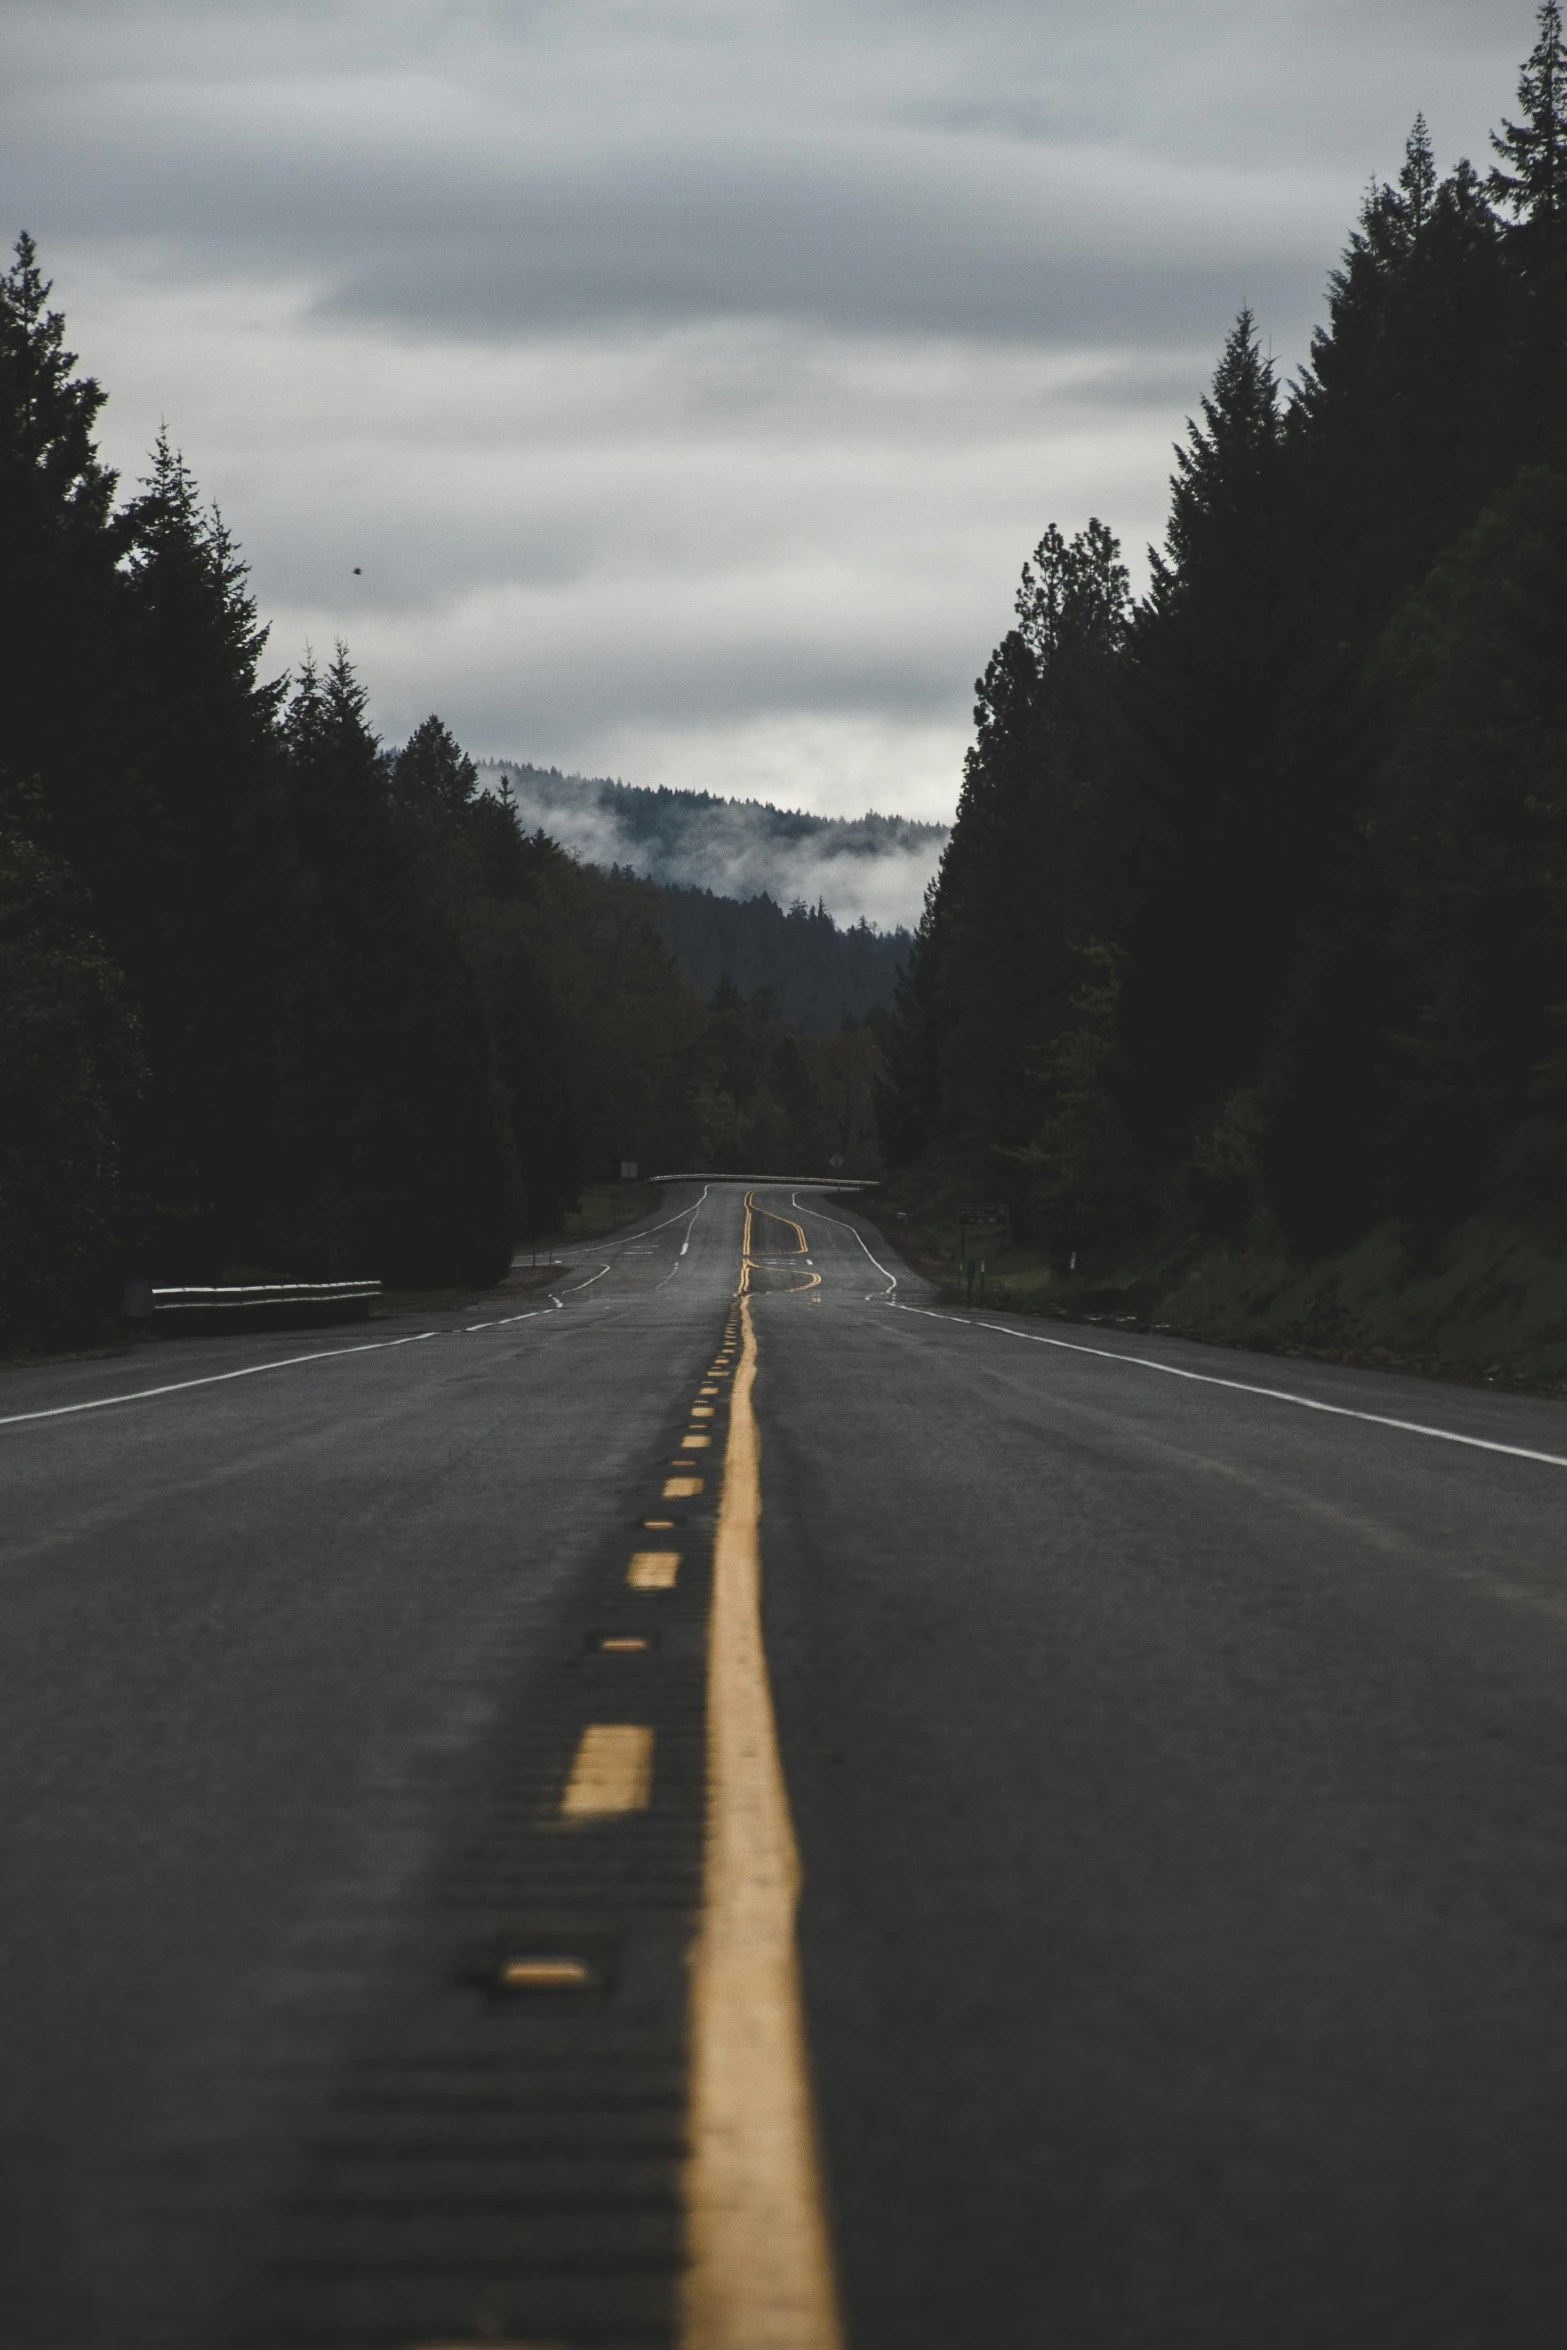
817,973
867,868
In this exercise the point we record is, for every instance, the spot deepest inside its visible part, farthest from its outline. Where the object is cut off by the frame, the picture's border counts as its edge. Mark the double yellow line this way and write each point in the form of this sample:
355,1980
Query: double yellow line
760,2273
747,1259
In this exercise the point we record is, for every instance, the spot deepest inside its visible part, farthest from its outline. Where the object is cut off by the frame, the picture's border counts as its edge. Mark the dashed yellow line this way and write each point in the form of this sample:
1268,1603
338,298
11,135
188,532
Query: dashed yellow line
760,2271
653,1570
611,1772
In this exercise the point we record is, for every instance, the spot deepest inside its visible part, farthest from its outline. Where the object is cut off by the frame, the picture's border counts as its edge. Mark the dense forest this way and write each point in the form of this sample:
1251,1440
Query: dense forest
1254,917
817,973
279,1000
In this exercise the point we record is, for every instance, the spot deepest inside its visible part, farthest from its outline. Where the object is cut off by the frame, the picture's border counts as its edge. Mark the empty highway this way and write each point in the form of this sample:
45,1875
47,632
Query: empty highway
1172,1744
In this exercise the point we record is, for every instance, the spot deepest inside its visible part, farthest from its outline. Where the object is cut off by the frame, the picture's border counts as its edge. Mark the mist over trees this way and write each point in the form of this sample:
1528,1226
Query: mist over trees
1254,916
279,1001
864,868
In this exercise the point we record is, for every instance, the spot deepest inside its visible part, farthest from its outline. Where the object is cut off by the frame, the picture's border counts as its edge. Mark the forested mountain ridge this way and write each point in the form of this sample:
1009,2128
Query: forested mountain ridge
864,867
817,974
1253,922
276,999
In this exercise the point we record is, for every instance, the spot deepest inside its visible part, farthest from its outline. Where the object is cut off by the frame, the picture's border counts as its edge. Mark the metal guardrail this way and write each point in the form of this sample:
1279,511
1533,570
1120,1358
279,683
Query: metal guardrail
810,1182
238,1305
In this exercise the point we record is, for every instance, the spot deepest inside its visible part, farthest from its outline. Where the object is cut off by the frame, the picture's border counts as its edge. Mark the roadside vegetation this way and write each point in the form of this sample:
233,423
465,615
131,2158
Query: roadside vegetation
280,1000
1243,981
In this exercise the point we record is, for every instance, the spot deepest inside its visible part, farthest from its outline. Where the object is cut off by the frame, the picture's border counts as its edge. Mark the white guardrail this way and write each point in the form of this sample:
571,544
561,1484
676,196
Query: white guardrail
154,1301
805,1182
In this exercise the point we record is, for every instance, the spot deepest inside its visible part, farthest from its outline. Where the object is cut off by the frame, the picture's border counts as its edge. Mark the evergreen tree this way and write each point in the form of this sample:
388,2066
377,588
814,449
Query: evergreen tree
416,1178
1208,662
70,1072
1531,183
60,594
1531,178
198,881
1468,824
1033,865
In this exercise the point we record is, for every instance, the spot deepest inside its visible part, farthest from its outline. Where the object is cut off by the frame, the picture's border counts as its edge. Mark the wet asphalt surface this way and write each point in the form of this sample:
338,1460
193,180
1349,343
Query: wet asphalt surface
1179,1775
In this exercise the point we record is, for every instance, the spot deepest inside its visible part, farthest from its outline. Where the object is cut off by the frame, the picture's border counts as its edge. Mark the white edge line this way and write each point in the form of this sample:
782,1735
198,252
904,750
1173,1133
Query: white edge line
693,1213
891,1279
1306,1403
101,1403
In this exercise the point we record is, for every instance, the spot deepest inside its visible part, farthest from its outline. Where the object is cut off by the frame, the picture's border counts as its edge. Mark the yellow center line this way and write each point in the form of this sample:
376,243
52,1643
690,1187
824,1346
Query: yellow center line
612,1772
760,2274
748,1259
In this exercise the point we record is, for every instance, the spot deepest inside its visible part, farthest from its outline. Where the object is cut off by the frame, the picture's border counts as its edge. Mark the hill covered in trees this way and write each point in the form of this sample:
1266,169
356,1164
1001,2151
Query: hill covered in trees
1252,929
275,998
865,868
816,974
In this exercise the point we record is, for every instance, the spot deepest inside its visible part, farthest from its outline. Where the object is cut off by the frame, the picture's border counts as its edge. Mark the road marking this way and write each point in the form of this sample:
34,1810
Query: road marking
101,1403
760,2269
707,1391
703,1411
653,1570
1307,1403
891,1279
678,1488
546,1974
659,1525
612,1772
695,1441
621,1643
750,1262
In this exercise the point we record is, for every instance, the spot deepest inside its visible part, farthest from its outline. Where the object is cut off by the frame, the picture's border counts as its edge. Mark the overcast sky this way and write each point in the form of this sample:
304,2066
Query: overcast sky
690,378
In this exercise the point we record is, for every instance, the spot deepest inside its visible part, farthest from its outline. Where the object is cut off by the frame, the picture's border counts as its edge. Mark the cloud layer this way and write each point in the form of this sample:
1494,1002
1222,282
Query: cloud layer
688,381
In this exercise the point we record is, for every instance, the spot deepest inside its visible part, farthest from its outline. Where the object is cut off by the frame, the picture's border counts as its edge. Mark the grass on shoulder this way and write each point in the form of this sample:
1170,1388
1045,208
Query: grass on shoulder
605,1207
1486,1302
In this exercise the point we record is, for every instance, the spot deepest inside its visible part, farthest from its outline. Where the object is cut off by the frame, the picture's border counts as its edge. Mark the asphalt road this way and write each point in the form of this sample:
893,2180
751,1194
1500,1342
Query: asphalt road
1178,1774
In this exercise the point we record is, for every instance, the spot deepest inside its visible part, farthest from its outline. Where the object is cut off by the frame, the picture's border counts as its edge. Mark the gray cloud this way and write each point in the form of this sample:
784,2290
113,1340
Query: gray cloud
687,382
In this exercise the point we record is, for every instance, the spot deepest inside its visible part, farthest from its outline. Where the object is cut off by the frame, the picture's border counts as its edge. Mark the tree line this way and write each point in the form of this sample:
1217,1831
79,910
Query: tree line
816,973
1254,917
278,999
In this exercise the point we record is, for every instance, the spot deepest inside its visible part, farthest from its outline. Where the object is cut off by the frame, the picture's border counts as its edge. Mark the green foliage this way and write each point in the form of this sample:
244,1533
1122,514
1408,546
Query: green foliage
70,1070
1317,833
1080,1160
1468,824
273,995
1535,186
819,973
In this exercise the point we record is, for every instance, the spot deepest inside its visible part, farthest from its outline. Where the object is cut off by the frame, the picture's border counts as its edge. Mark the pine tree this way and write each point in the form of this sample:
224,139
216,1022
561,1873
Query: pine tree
1033,864
60,544
1208,662
70,1072
416,1175
62,597
1531,180
1531,183
198,880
